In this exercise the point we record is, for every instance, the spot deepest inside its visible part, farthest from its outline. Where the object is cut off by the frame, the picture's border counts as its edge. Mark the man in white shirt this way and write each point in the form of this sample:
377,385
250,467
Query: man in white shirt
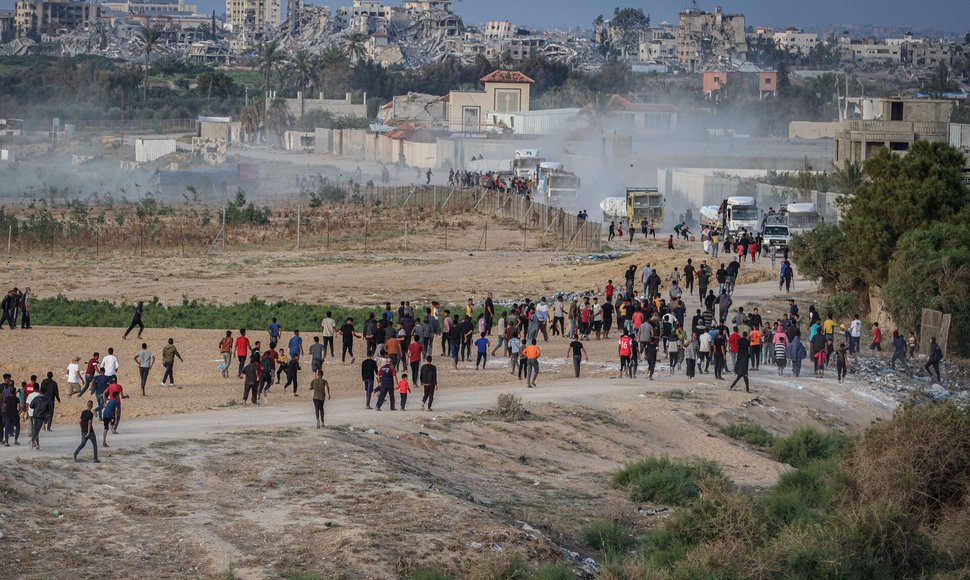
110,365
327,329
647,271
855,334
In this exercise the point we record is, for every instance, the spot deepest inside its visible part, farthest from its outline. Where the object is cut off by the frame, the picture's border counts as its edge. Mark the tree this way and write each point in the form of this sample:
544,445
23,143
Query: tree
269,59
216,83
278,119
931,269
304,65
902,193
821,254
940,82
784,83
626,29
848,177
354,45
251,120
148,37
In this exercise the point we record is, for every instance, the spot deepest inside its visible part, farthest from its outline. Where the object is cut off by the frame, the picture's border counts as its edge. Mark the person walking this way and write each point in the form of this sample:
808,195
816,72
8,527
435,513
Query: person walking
742,363
169,354
38,406
691,344
251,379
136,321
90,371
429,382
841,362
274,333
225,351
899,351
796,354
292,372
348,334
404,389
317,351
49,388
87,432
368,373
110,416
934,360
321,393
578,352
74,377
328,329
110,364
385,377
242,350
145,361
11,413
531,354
482,345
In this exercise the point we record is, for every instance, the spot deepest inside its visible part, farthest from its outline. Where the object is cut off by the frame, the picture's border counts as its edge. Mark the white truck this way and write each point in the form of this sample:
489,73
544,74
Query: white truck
740,213
802,217
554,183
775,233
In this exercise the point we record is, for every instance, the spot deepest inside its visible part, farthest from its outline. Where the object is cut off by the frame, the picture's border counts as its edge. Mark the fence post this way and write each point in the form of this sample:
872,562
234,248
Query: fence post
9,236
328,234
299,227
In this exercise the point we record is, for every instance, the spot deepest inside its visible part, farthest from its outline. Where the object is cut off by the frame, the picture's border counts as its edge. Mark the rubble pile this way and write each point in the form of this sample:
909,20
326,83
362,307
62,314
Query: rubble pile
905,383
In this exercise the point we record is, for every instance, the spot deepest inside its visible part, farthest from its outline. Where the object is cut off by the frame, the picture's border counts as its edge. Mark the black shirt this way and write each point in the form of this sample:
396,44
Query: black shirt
251,374
86,418
577,348
347,332
368,369
607,311
11,406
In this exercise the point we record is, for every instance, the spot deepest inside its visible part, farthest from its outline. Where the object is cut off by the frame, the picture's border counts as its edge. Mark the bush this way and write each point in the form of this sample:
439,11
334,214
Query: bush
749,433
919,461
428,574
510,408
840,304
664,480
804,495
806,444
610,537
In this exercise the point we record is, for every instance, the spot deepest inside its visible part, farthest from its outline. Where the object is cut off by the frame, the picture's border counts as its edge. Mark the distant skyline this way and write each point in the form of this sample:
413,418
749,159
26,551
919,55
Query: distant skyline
945,15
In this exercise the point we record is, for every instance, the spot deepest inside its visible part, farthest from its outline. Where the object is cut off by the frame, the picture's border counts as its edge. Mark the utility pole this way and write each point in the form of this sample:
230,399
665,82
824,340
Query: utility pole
299,225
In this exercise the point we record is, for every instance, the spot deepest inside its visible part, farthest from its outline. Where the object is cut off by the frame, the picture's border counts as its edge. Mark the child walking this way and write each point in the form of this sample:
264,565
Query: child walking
403,389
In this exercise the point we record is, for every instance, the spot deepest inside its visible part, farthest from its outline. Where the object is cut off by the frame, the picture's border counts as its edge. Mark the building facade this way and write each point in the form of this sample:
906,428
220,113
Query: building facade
893,124
704,39
37,17
250,20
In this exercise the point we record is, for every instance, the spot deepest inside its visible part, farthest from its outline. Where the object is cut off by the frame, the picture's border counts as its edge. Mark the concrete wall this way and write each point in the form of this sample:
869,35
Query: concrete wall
230,132
812,130
337,107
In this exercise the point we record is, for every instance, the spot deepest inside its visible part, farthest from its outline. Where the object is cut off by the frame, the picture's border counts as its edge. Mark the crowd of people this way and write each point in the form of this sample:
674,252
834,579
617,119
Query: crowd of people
648,317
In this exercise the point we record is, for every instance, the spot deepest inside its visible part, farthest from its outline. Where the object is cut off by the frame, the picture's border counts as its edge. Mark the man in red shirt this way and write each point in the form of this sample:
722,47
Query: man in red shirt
876,338
626,351
89,372
610,289
414,357
115,392
242,350
733,342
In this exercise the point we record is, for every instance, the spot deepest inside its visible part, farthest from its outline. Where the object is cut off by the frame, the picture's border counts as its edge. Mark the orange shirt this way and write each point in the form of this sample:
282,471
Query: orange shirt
393,346
754,338
403,387
531,352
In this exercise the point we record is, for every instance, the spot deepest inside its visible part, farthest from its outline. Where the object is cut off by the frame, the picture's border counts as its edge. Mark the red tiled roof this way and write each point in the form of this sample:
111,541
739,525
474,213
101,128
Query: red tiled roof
506,76
622,104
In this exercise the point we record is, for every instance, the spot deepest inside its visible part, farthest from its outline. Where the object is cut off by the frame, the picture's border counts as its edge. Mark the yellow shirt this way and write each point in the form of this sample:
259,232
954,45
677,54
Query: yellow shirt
828,326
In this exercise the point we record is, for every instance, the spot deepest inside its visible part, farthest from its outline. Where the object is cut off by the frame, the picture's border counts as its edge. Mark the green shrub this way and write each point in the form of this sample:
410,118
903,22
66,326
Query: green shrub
428,574
749,433
664,480
611,537
804,495
554,572
840,304
806,444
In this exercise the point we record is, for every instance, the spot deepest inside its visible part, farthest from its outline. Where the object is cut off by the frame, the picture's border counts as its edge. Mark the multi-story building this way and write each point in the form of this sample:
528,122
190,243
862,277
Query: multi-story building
365,16
868,50
414,6
37,17
499,29
764,84
150,7
250,20
8,27
705,39
893,124
659,44
928,54
515,49
795,41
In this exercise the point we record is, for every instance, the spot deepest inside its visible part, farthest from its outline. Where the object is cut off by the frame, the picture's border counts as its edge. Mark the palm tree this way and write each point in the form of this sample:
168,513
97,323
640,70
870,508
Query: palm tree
304,65
849,177
269,59
149,38
353,44
251,119
279,119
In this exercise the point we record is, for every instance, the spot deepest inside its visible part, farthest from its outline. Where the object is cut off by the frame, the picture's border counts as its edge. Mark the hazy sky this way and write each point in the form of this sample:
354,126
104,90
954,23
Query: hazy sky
951,15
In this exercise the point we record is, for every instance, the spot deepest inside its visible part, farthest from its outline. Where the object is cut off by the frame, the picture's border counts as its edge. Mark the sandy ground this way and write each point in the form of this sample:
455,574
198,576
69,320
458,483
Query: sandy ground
198,485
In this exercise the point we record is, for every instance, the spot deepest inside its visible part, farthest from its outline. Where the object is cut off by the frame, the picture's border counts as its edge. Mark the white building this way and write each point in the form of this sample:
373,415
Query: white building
795,41
250,20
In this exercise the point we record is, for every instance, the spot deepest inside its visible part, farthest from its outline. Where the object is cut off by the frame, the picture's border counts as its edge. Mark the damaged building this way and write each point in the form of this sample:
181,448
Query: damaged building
706,40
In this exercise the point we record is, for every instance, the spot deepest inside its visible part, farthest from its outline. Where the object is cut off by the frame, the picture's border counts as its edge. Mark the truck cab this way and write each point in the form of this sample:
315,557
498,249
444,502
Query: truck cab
742,214
645,203
775,233
802,217
555,183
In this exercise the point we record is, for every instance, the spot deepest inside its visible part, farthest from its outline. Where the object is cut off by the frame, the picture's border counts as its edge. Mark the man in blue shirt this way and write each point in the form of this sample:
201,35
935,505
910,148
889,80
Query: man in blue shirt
99,386
296,344
482,344
274,333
